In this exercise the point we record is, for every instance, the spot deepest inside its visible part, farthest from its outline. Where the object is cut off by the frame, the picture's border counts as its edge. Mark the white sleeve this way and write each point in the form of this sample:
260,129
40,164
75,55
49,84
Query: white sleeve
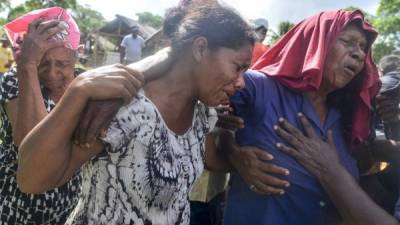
133,122
119,132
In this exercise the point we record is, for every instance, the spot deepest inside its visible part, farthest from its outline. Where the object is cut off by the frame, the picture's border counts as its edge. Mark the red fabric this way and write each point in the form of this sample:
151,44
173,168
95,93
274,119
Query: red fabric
297,61
258,51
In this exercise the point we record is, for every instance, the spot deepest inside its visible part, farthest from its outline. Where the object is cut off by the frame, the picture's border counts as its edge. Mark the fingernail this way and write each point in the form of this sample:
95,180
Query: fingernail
287,185
287,172
300,114
87,145
282,192
275,127
281,119
278,145
270,156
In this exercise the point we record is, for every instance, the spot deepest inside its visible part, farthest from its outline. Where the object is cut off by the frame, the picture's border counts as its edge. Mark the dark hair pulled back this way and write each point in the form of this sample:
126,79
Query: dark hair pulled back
221,26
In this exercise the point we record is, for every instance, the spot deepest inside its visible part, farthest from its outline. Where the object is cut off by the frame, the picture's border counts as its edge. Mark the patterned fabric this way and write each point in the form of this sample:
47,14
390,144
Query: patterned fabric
17,208
146,172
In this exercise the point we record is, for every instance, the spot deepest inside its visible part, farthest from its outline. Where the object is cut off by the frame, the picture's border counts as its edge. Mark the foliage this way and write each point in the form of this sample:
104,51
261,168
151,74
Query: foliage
4,4
369,17
88,19
283,28
150,19
30,5
387,22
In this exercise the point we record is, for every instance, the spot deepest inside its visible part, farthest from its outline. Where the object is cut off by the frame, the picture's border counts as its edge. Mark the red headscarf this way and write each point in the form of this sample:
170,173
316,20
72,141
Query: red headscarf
298,58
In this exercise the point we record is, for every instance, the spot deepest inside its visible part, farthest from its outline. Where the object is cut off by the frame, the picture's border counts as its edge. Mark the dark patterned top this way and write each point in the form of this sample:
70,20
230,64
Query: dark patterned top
18,208
146,172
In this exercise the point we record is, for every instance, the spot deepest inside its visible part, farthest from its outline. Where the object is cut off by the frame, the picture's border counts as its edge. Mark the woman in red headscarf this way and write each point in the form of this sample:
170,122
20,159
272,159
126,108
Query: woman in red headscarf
322,69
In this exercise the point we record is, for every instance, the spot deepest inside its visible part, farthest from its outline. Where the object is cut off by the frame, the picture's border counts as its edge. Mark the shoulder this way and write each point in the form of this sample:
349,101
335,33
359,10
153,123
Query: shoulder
256,77
126,38
135,121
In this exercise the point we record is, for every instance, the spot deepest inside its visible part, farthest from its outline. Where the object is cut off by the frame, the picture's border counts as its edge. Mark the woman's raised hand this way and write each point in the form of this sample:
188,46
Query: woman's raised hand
38,40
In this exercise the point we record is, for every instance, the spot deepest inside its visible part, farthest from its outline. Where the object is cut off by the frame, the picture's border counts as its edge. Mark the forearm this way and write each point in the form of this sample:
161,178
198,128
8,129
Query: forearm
46,152
352,202
30,105
155,65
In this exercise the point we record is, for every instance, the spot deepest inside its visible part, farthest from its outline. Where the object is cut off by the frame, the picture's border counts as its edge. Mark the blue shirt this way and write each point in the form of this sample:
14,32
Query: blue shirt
261,103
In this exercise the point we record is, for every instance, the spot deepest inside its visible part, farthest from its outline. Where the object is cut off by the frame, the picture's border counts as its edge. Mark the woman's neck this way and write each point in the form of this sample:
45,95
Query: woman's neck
318,101
174,95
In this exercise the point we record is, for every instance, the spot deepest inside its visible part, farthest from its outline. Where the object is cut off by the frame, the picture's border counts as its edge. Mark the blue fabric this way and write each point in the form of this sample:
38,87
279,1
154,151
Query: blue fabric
261,104
397,210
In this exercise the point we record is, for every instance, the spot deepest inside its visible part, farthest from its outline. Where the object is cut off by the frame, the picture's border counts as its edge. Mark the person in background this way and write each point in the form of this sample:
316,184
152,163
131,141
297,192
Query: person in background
389,63
6,56
261,29
131,47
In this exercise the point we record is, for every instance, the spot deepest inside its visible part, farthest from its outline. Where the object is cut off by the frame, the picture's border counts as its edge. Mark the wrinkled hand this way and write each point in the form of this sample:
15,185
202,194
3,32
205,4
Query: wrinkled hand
251,163
110,82
227,120
108,88
37,41
388,108
316,155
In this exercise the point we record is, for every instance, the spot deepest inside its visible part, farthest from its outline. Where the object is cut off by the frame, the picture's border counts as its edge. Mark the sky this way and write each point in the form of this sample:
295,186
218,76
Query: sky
274,11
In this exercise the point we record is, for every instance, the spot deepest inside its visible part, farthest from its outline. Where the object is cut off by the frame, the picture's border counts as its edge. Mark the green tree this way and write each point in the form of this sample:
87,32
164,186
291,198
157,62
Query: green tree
283,28
88,19
30,5
4,4
369,17
150,19
387,21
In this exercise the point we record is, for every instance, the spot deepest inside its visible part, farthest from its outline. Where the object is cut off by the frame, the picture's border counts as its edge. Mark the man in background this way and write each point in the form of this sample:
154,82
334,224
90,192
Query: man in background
261,28
131,47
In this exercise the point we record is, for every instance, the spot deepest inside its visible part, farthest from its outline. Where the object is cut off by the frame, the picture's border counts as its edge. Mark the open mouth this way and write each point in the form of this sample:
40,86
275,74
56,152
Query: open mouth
350,70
